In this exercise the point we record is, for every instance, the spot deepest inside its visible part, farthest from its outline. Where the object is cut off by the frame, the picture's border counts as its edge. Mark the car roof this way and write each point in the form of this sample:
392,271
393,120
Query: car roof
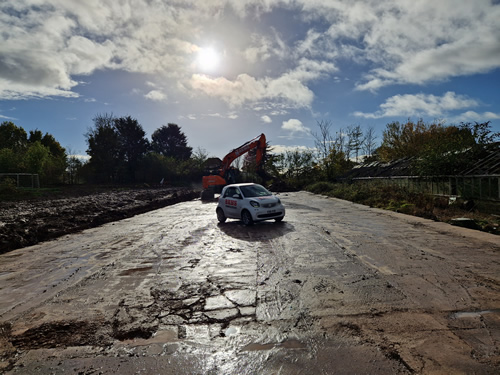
242,184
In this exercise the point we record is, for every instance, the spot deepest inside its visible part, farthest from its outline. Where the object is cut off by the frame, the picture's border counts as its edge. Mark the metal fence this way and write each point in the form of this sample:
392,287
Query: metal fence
481,187
22,179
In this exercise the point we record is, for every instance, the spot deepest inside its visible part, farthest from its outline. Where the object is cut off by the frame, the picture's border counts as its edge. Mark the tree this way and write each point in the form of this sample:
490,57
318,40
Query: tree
297,167
436,149
39,153
74,167
132,143
338,163
103,148
355,141
369,144
403,140
10,161
170,141
37,156
13,144
55,165
13,137
333,151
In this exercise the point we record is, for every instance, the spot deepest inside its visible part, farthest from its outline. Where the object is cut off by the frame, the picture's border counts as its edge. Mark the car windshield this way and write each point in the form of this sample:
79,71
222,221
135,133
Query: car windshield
254,191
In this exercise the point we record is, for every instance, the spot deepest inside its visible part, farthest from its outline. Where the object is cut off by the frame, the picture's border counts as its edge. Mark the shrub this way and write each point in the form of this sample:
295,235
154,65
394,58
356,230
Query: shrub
8,186
320,187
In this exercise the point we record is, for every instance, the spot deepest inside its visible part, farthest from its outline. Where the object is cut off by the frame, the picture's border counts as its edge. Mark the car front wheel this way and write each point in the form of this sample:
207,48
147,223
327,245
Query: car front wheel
246,218
220,215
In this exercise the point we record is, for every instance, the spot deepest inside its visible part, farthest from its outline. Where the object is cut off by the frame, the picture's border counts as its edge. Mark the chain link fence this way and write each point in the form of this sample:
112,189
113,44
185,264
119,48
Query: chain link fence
22,180
479,187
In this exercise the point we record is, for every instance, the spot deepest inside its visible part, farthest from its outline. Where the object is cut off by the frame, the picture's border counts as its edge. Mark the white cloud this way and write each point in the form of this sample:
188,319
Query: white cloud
294,126
156,96
439,40
246,88
477,117
266,119
281,149
260,50
229,115
44,44
420,105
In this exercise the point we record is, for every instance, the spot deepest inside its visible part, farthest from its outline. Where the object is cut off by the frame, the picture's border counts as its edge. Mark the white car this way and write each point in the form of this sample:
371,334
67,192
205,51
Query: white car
250,203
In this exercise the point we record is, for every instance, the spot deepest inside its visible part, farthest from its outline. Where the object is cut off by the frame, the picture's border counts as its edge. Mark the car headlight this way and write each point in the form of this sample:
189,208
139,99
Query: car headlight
254,204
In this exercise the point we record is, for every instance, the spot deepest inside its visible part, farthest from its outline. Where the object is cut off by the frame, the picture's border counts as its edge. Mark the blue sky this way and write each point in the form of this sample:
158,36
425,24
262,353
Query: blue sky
227,70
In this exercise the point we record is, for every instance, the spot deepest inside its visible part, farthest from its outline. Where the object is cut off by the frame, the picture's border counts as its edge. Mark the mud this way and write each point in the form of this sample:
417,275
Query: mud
335,288
26,223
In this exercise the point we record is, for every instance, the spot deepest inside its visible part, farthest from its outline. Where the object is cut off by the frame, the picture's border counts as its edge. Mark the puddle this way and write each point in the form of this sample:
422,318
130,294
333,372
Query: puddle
289,344
134,270
473,314
231,331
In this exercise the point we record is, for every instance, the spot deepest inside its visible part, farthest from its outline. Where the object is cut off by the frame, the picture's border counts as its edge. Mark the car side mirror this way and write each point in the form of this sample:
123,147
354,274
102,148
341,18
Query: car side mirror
237,196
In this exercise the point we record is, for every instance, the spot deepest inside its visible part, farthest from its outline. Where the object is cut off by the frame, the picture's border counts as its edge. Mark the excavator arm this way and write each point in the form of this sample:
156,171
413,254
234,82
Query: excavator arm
219,179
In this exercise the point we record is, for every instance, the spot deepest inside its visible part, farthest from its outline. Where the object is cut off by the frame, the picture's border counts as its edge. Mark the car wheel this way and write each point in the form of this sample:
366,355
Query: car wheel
246,218
278,219
220,215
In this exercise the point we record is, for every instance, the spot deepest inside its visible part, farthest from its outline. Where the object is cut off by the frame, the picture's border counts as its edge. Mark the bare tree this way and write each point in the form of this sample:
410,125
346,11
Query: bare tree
340,141
323,141
355,141
369,144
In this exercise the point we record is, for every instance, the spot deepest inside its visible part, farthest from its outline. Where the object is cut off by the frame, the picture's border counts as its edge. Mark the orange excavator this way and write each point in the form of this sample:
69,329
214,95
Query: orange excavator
215,182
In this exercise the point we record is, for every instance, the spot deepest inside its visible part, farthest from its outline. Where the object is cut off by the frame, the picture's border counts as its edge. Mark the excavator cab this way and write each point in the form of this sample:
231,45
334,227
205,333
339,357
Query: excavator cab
227,175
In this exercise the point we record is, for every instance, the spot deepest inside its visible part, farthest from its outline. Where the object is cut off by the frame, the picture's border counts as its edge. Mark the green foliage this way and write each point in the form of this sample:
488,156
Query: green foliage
36,157
8,187
321,187
53,165
170,141
132,144
399,199
10,161
39,153
74,169
155,167
336,164
337,151
295,168
104,149
436,149
120,152
13,137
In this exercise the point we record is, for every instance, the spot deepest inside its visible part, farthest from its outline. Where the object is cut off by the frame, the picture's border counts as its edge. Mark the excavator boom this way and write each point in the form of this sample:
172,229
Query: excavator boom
219,180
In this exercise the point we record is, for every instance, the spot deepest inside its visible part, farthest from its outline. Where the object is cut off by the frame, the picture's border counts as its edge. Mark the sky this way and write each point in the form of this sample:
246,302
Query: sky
226,71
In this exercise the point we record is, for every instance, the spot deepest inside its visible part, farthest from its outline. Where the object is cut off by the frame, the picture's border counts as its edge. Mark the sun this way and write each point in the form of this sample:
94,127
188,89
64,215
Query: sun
207,59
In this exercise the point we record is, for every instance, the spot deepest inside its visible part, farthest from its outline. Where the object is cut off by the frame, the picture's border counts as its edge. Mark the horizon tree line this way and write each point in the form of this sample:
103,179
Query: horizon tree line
120,152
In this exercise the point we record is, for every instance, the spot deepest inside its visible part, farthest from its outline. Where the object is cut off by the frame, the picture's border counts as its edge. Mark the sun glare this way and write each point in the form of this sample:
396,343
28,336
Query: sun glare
208,59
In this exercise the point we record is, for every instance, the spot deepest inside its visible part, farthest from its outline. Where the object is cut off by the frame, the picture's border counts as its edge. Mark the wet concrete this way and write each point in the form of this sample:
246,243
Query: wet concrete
335,288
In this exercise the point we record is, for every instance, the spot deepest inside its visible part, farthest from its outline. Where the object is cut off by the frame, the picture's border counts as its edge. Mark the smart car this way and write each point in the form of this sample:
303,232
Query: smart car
250,203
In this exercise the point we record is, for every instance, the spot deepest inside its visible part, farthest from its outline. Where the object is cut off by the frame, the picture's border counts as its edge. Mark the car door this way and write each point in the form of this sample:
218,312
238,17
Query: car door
232,202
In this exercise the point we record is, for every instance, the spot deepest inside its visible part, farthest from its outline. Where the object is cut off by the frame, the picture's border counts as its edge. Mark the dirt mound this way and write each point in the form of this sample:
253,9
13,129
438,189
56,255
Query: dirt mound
26,223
